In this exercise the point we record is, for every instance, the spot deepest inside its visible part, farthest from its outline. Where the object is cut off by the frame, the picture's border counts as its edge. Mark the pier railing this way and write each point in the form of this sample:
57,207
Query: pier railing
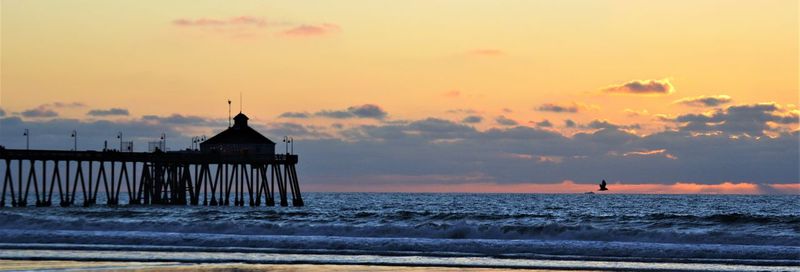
171,178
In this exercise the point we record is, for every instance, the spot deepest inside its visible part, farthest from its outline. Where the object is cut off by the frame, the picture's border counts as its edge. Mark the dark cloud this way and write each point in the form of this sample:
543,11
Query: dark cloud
2,112
466,111
604,124
362,111
40,112
472,119
544,123
558,108
109,112
642,87
300,115
502,120
569,123
338,114
704,101
49,110
416,150
55,133
443,148
752,119
368,111
66,105
277,130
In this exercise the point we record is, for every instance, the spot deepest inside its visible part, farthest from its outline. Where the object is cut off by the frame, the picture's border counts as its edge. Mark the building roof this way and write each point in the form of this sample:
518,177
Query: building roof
239,133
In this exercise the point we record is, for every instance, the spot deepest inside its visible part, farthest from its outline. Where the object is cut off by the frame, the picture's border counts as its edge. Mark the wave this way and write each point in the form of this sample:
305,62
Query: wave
514,249
656,228
724,218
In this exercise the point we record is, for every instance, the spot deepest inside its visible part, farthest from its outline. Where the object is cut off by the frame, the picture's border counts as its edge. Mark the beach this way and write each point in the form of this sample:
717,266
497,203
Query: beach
138,266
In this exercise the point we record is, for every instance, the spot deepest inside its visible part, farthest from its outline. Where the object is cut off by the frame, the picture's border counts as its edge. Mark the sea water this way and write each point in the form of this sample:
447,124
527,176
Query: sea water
600,231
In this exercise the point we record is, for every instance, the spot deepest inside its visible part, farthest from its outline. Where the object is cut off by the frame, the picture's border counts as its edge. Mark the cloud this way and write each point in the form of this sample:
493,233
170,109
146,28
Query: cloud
544,123
472,119
299,115
486,52
109,112
296,131
569,123
654,152
642,87
439,152
748,119
361,111
66,105
39,112
2,112
368,111
459,111
704,101
214,22
308,30
337,114
49,110
604,124
502,120
572,108
557,108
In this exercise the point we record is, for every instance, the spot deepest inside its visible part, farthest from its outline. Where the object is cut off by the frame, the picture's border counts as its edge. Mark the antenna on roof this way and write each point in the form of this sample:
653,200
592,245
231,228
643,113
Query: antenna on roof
241,102
229,113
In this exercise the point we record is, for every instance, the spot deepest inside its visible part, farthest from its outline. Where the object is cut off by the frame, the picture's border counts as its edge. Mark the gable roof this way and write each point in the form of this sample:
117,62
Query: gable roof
239,133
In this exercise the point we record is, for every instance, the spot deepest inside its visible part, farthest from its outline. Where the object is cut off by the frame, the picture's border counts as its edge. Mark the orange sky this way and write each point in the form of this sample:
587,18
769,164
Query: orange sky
635,64
415,59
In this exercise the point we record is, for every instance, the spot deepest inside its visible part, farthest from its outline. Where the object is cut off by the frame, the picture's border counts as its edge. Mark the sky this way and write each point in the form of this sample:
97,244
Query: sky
427,96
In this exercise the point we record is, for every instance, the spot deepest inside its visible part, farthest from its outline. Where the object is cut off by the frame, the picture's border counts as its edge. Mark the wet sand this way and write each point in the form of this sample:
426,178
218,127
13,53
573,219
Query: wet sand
172,266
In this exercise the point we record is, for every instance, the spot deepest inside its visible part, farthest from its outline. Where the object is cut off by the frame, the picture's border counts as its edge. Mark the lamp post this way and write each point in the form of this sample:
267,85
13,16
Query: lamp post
119,136
27,135
164,142
75,140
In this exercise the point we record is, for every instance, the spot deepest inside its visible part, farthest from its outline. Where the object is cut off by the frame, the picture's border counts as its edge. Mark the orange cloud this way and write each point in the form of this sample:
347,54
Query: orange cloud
791,188
312,30
211,22
659,152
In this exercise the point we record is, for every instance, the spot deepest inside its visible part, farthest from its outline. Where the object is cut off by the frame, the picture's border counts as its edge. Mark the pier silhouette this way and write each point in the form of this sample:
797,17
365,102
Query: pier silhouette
238,161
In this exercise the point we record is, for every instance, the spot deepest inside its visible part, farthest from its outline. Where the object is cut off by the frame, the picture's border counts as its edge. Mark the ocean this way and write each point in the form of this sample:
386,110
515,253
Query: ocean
541,231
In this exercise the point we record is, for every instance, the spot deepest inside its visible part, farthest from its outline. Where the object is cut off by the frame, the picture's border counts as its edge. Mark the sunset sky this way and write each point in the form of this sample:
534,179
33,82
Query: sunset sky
497,96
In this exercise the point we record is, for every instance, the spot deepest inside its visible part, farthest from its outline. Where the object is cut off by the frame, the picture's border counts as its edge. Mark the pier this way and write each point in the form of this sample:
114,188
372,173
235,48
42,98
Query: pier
237,167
